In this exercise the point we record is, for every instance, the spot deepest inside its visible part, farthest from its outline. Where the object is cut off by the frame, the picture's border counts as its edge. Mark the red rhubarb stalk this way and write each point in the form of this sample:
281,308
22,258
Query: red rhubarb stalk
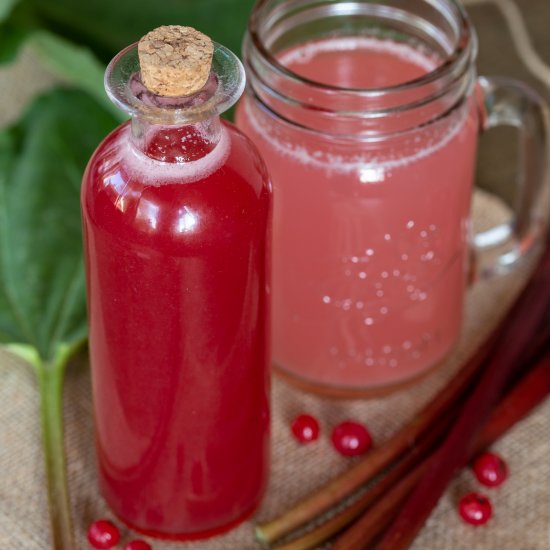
378,459
529,393
314,538
532,302
363,533
513,340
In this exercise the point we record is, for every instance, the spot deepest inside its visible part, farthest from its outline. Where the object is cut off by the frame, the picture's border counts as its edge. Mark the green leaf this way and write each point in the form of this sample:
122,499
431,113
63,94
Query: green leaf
75,43
75,64
42,297
12,37
42,158
5,7
109,26
27,353
17,21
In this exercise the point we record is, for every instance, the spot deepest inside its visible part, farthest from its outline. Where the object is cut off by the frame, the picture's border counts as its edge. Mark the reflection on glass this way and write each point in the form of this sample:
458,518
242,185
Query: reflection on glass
186,220
147,214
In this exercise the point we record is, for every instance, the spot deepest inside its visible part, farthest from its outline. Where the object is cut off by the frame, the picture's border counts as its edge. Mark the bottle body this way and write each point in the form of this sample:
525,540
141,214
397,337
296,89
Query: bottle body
177,272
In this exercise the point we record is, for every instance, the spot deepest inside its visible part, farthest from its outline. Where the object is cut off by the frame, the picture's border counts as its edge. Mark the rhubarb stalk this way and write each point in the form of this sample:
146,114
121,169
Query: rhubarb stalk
328,529
527,312
514,339
529,393
378,459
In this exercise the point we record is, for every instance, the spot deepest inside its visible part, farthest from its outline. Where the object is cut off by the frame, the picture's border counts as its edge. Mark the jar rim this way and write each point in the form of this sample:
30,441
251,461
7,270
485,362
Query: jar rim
465,48
229,77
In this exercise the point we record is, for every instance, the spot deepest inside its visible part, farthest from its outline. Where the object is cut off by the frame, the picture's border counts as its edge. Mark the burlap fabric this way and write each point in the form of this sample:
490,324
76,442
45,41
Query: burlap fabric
522,504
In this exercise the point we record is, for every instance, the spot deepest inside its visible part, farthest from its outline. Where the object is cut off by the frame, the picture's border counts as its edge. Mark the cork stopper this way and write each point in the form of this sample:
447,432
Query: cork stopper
175,61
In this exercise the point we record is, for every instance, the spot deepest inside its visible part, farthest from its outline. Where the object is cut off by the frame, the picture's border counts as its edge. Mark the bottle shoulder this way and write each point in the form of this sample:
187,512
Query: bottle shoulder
235,156
131,196
241,141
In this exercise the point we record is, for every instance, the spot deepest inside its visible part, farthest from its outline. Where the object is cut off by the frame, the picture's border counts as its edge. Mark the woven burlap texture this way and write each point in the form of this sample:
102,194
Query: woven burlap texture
521,505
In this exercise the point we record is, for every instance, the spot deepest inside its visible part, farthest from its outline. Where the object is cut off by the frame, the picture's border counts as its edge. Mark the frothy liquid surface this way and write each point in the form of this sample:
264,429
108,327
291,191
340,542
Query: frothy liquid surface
358,62
370,243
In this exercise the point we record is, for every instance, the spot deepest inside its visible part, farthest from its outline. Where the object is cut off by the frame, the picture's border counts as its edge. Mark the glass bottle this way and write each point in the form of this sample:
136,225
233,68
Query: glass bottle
175,207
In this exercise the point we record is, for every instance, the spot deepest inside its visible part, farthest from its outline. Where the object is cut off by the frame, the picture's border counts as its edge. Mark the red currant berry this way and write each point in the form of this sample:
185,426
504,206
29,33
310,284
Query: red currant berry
305,428
138,545
475,509
103,534
490,469
351,438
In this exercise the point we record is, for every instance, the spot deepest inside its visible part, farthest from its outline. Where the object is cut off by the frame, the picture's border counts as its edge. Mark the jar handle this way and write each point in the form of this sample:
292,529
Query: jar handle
511,103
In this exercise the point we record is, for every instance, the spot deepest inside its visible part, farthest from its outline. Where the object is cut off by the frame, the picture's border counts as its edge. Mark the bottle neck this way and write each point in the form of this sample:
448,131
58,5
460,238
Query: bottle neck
176,143
180,129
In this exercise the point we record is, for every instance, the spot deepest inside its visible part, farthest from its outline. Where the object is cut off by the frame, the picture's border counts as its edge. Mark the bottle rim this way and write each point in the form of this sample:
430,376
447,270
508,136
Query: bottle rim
225,86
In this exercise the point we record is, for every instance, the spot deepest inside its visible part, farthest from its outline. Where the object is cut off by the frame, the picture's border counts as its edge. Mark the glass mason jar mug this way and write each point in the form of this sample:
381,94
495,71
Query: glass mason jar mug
368,115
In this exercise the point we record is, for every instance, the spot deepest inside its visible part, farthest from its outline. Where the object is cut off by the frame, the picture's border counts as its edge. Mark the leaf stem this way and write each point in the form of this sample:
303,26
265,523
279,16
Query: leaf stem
50,383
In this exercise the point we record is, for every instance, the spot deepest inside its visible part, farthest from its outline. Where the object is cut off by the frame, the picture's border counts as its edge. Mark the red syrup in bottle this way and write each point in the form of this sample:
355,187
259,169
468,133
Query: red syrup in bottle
176,228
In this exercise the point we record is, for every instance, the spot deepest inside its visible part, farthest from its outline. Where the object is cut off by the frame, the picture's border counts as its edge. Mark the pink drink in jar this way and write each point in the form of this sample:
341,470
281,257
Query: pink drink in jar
367,117
367,114
370,242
